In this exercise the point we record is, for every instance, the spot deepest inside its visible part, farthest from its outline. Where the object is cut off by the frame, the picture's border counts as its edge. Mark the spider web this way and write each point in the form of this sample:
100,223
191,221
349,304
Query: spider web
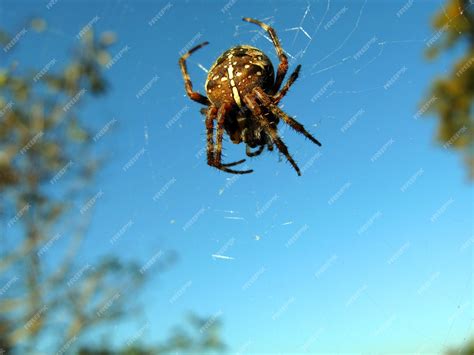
299,41
300,37
306,30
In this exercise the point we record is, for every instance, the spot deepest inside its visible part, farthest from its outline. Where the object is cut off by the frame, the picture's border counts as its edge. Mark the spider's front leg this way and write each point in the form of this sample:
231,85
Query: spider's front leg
193,95
217,161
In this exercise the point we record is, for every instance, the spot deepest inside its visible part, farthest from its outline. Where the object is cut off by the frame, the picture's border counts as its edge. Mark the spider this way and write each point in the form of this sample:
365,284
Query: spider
242,97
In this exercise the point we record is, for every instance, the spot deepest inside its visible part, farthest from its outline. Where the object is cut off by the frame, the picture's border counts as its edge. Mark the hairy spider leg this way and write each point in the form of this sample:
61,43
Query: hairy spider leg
283,66
193,95
267,102
249,152
210,117
279,95
217,162
253,105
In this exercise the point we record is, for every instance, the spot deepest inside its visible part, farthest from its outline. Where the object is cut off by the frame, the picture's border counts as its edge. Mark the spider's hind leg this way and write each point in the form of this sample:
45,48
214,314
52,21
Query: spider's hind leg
211,114
217,162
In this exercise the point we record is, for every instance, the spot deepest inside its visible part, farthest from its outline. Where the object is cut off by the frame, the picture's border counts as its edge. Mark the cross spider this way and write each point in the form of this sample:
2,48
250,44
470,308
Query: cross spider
243,97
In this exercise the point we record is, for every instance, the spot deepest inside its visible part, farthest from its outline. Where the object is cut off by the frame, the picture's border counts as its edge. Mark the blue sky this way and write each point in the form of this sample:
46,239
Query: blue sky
370,250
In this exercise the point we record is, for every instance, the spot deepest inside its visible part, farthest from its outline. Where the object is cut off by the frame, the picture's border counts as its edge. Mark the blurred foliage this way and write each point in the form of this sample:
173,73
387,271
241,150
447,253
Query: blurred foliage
47,166
466,349
202,337
41,135
452,96
5,328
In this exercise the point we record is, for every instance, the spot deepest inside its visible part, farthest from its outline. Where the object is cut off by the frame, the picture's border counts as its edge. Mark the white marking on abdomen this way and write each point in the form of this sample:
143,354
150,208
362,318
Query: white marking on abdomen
230,70
236,96
235,91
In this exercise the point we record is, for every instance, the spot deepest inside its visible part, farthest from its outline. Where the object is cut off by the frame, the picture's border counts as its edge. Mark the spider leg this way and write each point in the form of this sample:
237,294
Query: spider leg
253,105
193,95
211,115
283,66
221,115
234,163
249,152
267,102
279,95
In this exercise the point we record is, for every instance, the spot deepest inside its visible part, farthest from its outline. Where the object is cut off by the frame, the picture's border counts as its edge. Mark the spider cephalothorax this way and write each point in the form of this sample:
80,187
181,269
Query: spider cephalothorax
243,96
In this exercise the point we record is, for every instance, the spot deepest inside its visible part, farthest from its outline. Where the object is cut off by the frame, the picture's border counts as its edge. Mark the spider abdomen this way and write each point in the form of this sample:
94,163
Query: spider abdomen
236,73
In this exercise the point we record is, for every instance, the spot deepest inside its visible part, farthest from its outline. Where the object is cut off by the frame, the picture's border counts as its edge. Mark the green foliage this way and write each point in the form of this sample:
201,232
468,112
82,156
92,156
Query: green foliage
451,97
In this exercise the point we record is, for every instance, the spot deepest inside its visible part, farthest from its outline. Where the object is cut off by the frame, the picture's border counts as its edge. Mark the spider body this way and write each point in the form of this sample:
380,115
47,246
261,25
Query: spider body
233,75
242,97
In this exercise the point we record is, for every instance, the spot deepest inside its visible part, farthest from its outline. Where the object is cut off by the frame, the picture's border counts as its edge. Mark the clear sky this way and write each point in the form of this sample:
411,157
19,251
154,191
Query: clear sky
370,250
